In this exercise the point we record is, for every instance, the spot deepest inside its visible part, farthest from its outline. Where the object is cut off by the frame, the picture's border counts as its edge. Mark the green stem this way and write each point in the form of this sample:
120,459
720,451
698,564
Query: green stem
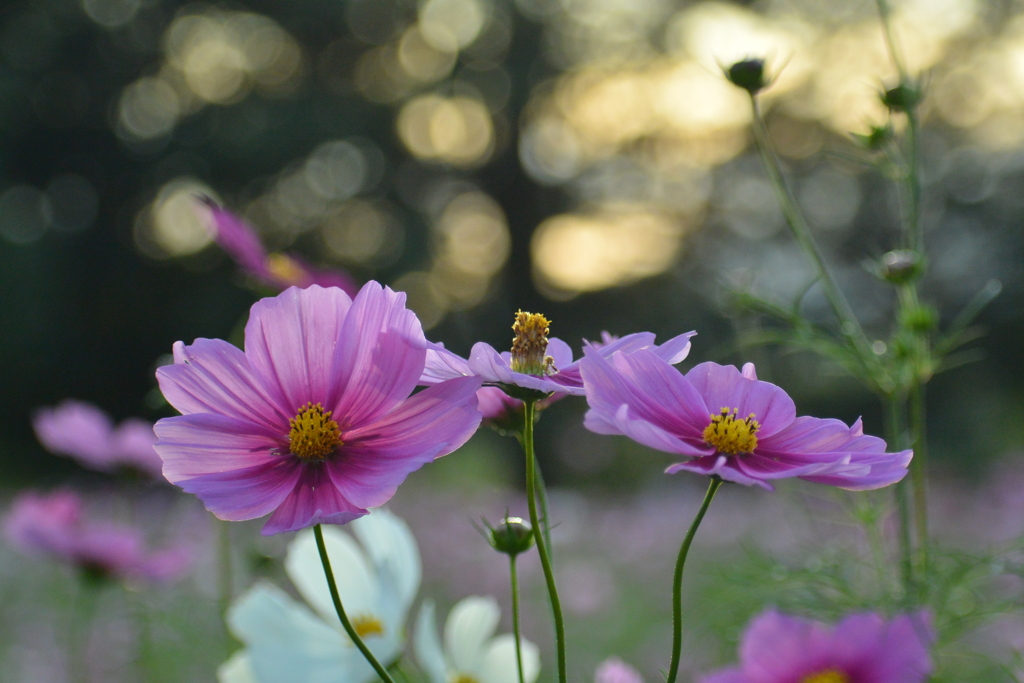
848,323
892,408
336,598
542,548
919,470
542,501
890,38
515,617
677,581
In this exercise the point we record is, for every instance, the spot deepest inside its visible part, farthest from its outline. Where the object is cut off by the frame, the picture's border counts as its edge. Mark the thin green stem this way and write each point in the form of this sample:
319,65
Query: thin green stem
848,323
515,617
890,38
892,408
542,501
336,598
677,581
542,548
919,470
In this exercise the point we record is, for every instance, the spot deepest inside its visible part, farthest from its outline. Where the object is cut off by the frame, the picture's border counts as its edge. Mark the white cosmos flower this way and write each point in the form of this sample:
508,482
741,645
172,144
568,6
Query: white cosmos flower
471,654
287,642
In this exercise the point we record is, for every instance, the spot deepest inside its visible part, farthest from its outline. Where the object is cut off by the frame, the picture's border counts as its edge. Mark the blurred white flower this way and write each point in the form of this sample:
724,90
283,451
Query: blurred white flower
286,642
471,654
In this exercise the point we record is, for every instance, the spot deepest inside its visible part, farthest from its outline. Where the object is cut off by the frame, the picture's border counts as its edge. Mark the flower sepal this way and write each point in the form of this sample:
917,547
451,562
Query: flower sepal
523,393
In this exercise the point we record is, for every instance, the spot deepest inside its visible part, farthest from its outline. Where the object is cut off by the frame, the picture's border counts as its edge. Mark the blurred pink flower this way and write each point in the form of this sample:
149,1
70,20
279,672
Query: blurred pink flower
614,670
84,432
862,648
278,271
53,524
314,422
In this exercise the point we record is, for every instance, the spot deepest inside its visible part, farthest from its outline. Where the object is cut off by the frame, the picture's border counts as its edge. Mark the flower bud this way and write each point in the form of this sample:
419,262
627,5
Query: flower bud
901,98
901,266
512,536
875,139
748,74
919,318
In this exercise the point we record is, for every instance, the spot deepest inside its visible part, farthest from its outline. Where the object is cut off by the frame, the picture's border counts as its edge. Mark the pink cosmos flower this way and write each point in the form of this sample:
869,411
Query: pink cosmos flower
54,525
547,366
862,648
729,424
614,670
87,434
278,271
314,420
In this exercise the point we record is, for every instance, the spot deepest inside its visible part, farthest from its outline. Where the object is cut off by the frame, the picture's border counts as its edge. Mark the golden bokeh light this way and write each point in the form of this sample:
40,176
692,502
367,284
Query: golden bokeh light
423,297
454,130
423,60
148,108
452,22
575,253
359,232
473,235
170,226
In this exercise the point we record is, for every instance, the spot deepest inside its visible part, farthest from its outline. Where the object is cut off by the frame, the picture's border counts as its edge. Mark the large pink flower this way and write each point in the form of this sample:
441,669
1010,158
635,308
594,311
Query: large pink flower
314,420
862,648
87,434
54,525
729,424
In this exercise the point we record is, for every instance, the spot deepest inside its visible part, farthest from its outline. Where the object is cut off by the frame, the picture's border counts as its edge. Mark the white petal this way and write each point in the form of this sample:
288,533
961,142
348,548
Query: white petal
357,583
427,645
389,543
287,643
500,662
470,625
236,670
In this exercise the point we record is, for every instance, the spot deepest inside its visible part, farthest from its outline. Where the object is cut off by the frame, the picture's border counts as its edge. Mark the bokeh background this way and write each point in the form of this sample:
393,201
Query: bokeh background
583,158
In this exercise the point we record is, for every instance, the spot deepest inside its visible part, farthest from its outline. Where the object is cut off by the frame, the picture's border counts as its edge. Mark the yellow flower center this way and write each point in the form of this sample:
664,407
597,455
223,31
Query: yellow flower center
367,625
530,345
463,678
827,676
285,268
314,435
732,436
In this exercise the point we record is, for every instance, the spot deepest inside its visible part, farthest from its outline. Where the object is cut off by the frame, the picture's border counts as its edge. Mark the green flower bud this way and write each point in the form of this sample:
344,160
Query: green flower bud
919,318
511,536
748,74
901,98
900,266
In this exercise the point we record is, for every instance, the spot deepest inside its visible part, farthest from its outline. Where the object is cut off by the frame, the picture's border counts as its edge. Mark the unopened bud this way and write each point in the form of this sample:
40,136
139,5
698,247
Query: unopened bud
748,74
901,98
919,318
901,266
511,536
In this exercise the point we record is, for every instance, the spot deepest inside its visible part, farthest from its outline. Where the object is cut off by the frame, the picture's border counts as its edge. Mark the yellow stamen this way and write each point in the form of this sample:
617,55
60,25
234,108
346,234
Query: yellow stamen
732,436
827,676
314,435
463,678
530,345
286,269
367,625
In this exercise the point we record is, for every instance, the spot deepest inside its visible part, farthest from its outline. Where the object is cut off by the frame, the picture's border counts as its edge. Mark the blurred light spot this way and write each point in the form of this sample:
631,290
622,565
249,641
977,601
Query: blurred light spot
24,214
549,151
423,297
830,199
694,102
474,235
336,170
111,13
359,232
171,226
456,130
74,202
148,108
380,76
608,108
444,22
423,60
575,253
749,207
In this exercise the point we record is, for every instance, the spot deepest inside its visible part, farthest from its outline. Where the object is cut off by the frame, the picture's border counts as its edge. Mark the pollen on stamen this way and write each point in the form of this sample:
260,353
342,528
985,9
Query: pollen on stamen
314,435
730,435
828,676
367,625
530,345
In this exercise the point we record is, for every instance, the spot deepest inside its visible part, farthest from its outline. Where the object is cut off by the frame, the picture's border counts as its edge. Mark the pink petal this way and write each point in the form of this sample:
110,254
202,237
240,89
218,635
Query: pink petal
723,386
723,466
204,443
212,376
560,353
313,500
380,356
376,458
291,341
441,364
248,493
